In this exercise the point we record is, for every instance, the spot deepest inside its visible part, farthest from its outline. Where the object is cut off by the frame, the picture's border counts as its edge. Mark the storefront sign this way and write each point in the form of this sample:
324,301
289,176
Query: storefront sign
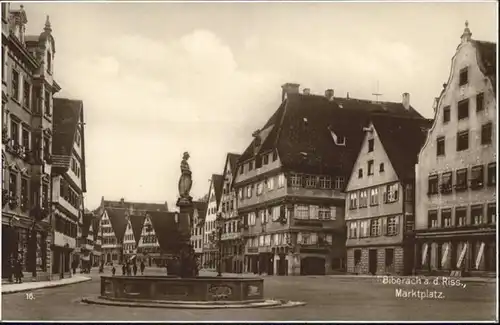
462,256
480,255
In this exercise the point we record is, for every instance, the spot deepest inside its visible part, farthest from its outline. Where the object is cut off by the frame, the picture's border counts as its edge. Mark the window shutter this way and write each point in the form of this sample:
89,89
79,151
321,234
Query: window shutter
384,194
333,212
397,224
384,224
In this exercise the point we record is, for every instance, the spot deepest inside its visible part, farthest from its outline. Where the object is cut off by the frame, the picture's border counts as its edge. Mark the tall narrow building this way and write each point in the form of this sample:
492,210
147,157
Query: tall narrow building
210,250
68,185
456,170
27,114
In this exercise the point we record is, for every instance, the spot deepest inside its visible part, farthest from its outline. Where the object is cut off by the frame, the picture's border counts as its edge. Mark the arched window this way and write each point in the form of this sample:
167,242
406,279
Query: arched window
49,62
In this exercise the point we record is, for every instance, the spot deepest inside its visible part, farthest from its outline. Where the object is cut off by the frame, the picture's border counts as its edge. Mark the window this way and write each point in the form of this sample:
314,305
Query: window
440,145
258,162
353,200
477,177
446,114
374,196
301,211
461,180
313,212
310,181
363,199
240,193
389,257
353,230
446,183
275,155
263,216
260,188
364,228
26,95
13,185
446,218
326,212
325,182
374,227
49,62
370,167
492,213
45,196
242,169
276,213
392,193
479,102
281,180
270,183
432,218
339,183
463,109
265,160
409,193
370,145
24,193
460,216
249,191
486,134
25,138
492,174
357,256
14,132
463,77
381,168
392,228
15,84
462,140
360,173
296,180
476,214
46,102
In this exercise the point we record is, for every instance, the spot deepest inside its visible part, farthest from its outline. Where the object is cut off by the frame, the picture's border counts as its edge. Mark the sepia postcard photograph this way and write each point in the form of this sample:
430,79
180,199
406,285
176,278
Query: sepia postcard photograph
249,161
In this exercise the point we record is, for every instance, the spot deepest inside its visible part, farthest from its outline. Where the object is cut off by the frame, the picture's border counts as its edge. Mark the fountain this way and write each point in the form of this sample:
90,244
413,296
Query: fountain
183,287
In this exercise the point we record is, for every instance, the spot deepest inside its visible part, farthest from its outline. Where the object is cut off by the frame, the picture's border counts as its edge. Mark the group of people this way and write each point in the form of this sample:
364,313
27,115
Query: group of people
130,267
16,274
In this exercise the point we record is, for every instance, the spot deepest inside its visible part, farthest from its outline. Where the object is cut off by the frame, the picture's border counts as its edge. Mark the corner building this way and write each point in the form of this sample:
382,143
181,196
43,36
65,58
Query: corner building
456,170
291,179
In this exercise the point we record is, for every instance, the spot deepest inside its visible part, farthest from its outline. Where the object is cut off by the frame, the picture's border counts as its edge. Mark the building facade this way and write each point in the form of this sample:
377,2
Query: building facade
27,89
290,181
456,170
68,186
210,249
199,213
233,245
380,204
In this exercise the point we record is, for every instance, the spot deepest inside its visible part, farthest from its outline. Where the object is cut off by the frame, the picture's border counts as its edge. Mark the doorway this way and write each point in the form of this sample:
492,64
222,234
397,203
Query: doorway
372,261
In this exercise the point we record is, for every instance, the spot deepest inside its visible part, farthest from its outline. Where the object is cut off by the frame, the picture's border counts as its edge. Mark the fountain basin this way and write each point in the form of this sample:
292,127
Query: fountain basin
225,290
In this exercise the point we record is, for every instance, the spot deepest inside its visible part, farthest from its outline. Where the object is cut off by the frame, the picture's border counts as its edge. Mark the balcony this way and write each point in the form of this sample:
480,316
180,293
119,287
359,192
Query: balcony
63,240
71,209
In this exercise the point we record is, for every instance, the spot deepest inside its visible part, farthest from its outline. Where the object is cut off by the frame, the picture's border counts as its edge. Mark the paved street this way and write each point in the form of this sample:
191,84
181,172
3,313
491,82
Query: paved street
328,298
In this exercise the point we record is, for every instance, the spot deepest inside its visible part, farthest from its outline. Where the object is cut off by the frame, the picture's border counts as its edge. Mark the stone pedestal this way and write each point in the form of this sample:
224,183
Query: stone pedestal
187,259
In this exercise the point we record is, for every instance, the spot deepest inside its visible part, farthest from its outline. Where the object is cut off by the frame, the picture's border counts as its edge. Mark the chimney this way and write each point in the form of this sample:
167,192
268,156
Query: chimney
406,100
347,95
306,91
122,200
289,88
329,94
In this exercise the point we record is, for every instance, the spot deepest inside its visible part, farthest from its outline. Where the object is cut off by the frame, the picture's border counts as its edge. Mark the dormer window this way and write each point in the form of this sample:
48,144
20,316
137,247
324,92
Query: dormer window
339,139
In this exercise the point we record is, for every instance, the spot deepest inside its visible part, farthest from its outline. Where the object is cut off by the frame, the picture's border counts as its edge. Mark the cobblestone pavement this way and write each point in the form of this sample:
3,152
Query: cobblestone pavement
328,298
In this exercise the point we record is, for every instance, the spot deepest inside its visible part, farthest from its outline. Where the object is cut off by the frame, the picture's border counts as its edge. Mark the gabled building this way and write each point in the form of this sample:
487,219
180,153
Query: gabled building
290,181
232,243
68,184
210,251
27,89
380,204
199,213
456,170
115,217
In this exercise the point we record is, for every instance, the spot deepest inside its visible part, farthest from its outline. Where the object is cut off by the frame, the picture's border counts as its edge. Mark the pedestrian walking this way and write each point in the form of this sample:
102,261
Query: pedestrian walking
74,265
113,271
143,266
18,271
124,269
134,268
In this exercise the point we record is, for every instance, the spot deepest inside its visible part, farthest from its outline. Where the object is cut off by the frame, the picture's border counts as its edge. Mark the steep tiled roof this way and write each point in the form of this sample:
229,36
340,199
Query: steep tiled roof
118,222
201,207
488,59
217,182
233,161
301,131
402,139
87,220
66,116
137,222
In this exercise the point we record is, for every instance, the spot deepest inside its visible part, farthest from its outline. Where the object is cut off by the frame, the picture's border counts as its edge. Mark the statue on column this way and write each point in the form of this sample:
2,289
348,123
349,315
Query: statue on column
185,181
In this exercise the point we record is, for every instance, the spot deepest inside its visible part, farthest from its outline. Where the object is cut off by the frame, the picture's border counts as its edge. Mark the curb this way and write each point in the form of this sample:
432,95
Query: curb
46,287
264,305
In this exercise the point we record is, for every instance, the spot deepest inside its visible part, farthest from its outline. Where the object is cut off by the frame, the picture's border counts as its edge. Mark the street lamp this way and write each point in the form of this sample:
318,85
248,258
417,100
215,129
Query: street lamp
220,227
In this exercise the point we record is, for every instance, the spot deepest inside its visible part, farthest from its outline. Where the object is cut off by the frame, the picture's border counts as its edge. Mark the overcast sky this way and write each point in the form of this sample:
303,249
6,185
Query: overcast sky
157,79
